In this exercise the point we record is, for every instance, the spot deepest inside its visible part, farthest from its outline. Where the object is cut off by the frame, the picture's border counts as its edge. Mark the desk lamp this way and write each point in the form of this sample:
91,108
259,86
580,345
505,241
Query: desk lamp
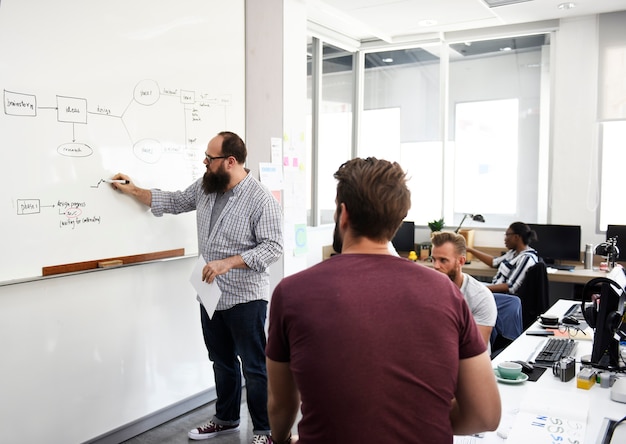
476,217
609,250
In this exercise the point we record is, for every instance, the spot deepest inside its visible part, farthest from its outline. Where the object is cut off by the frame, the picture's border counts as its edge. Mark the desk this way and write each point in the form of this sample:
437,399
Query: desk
479,269
600,404
578,276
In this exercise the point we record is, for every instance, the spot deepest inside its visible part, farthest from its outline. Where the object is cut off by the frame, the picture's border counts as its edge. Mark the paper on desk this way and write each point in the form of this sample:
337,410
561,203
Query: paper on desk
467,439
617,275
209,294
547,416
579,334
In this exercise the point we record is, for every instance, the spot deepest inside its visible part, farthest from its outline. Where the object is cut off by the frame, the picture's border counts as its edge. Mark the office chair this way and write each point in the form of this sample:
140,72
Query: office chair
508,323
534,293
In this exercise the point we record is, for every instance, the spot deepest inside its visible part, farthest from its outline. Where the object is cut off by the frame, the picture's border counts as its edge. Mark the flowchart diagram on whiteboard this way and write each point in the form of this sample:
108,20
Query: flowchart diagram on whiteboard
90,90
192,108
158,137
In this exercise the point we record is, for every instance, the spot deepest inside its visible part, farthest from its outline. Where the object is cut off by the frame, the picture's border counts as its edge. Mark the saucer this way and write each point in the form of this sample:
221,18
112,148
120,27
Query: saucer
521,378
548,326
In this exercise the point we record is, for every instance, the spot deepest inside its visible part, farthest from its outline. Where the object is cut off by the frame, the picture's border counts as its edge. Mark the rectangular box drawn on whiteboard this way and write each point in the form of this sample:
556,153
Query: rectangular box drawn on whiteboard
187,97
28,206
71,109
17,104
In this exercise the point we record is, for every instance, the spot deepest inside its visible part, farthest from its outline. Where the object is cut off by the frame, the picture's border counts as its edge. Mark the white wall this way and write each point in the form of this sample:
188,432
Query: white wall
573,199
264,98
275,104
85,354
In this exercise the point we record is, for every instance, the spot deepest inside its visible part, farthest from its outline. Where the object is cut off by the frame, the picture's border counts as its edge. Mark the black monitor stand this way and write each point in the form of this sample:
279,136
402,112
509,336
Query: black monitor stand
605,352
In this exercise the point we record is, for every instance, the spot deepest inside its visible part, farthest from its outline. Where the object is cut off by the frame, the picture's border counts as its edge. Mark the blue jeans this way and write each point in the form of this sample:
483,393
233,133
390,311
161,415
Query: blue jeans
238,332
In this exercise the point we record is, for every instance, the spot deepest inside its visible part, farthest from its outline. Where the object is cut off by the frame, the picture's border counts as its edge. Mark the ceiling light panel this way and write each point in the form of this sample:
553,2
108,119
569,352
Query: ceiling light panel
496,3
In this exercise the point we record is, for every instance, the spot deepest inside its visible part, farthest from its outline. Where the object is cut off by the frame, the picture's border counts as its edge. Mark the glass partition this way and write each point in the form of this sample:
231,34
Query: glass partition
468,122
401,122
495,114
333,127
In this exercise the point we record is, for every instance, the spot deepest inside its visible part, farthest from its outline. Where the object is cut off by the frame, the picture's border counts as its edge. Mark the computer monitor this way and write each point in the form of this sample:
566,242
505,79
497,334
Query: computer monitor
557,243
404,240
618,231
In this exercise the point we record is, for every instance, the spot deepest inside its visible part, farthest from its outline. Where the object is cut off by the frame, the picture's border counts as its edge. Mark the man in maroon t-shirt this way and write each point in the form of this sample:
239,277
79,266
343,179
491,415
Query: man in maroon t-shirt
373,347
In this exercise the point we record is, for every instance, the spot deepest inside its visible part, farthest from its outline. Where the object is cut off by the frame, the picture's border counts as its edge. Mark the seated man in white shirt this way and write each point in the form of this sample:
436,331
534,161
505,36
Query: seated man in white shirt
448,256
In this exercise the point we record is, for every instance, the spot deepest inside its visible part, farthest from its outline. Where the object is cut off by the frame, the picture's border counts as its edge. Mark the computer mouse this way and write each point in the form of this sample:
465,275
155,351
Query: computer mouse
527,367
570,320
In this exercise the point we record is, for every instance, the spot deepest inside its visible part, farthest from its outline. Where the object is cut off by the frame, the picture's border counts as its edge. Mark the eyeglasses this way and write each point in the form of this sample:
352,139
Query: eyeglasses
210,159
572,330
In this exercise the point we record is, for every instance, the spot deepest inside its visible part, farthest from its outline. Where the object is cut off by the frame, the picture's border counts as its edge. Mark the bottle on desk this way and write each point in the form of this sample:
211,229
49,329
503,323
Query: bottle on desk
588,257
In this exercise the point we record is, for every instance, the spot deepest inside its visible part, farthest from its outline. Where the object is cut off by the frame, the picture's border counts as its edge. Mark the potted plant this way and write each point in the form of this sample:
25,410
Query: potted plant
436,225
425,247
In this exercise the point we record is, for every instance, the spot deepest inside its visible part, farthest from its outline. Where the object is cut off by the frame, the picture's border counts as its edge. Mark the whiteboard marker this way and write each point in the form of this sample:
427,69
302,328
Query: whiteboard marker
124,181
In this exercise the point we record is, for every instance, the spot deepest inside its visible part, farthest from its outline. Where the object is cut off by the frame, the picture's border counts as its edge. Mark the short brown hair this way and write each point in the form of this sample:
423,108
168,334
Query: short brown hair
233,145
375,194
438,238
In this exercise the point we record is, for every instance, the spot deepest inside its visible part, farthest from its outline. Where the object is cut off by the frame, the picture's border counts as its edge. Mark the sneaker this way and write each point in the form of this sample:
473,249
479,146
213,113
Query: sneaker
262,439
211,430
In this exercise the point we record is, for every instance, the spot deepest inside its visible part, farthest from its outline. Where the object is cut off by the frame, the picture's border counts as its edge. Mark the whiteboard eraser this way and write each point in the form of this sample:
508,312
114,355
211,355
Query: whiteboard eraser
111,263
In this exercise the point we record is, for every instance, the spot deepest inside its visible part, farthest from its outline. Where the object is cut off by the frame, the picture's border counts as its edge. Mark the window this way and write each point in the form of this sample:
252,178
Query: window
486,152
495,131
613,210
612,118
468,130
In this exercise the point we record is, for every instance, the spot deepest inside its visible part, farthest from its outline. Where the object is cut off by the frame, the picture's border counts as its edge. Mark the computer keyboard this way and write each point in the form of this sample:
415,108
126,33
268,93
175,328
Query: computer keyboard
553,350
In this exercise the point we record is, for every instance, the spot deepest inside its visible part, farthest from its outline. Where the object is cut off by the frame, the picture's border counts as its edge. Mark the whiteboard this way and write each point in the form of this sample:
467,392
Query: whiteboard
90,89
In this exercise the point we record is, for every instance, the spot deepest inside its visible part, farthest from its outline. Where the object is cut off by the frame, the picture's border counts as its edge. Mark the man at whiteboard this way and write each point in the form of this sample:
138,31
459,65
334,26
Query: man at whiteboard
240,235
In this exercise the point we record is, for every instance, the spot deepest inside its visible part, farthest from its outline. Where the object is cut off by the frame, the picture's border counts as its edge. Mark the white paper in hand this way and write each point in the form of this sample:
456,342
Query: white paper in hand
209,294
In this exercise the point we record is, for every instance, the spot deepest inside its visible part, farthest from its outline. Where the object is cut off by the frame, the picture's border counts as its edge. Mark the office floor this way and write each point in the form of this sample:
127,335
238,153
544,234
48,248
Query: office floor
175,431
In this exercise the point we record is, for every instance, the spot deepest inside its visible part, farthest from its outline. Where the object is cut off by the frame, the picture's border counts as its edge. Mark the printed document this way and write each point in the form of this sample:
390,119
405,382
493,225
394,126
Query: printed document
209,294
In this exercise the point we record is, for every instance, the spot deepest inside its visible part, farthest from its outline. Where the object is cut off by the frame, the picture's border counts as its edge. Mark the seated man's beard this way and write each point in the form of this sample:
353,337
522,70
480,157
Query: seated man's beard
337,240
215,182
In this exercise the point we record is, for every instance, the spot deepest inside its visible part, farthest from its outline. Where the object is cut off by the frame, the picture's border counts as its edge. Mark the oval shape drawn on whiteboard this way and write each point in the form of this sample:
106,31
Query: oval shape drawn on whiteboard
147,92
148,150
74,149
73,212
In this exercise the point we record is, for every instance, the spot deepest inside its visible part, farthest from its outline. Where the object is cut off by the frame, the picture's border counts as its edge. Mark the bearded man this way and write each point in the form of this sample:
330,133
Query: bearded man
239,226
448,256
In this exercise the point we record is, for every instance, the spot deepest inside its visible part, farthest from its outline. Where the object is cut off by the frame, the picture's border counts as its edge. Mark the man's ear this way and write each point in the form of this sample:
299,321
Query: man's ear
343,215
462,260
230,162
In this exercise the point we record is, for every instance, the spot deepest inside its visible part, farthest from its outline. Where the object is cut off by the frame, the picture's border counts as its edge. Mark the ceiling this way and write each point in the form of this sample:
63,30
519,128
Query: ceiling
394,21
